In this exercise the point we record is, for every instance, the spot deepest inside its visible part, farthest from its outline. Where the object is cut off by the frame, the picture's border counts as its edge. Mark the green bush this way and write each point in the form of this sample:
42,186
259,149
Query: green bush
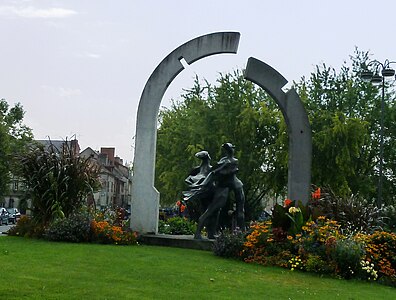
229,244
75,229
26,227
177,226
348,254
316,264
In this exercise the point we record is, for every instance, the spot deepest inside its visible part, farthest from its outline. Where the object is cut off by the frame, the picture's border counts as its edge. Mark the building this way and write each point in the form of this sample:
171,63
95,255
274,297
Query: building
115,179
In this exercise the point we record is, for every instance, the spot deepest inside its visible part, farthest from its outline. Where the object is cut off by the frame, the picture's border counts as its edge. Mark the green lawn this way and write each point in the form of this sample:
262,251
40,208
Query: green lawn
34,269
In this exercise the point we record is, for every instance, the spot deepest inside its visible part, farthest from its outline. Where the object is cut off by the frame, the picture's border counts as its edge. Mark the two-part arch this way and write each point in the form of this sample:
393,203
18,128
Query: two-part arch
145,197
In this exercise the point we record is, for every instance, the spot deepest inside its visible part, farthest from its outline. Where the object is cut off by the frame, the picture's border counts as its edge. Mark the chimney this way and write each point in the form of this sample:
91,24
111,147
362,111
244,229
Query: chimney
110,153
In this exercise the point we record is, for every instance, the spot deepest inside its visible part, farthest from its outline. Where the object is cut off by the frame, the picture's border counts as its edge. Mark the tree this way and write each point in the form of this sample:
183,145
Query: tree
14,135
344,114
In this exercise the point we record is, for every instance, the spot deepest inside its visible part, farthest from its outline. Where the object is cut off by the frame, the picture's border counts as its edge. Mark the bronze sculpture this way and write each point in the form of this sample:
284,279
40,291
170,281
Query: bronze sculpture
213,185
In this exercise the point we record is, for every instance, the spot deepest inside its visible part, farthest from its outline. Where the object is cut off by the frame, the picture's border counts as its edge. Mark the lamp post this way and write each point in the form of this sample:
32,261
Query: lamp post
377,76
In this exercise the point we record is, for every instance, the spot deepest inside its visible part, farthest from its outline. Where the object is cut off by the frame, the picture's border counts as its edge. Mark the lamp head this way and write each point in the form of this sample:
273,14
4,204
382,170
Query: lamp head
376,79
388,72
366,75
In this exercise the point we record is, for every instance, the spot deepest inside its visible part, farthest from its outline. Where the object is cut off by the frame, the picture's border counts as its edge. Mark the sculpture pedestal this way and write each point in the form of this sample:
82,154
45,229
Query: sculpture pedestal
179,241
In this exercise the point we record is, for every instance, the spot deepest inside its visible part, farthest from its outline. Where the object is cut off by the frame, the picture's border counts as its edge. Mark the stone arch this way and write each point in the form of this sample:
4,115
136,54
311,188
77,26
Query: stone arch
299,129
145,197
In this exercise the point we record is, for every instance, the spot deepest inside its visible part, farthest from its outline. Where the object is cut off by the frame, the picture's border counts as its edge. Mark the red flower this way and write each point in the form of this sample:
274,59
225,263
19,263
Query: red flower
316,194
287,202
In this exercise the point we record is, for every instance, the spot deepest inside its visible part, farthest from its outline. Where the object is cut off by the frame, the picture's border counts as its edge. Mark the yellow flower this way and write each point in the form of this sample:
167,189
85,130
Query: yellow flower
294,210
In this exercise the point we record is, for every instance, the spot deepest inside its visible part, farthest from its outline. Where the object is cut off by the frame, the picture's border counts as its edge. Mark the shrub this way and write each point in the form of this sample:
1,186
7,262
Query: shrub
353,212
229,243
163,227
348,255
264,244
380,250
318,237
177,226
103,232
75,228
115,217
316,264
26,227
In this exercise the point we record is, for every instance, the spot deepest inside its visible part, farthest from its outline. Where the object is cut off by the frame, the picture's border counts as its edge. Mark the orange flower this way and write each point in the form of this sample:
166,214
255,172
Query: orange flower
316,194
287,202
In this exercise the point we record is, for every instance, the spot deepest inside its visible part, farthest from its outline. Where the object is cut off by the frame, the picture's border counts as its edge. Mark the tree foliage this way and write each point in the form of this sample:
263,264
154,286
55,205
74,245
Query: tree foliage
57,181
13,136
344,113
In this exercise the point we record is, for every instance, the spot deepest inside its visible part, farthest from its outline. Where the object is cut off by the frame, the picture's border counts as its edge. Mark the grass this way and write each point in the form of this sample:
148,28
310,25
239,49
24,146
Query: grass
35,269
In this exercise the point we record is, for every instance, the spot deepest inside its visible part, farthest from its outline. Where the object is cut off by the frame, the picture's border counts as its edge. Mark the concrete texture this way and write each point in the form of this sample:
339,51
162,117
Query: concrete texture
145,197
299,129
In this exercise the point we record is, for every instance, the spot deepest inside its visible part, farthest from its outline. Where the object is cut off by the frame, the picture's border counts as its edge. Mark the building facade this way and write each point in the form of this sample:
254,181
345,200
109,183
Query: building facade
115,179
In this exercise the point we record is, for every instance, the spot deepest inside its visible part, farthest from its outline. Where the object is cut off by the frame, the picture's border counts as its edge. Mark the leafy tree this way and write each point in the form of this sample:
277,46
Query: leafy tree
344,114
57,181
14,135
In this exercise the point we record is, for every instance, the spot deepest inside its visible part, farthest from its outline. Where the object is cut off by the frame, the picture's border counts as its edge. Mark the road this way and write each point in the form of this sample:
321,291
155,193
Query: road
4,228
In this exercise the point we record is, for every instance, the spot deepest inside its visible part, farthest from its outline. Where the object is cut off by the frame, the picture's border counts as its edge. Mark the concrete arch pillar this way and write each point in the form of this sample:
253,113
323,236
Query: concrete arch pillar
299,129
145,197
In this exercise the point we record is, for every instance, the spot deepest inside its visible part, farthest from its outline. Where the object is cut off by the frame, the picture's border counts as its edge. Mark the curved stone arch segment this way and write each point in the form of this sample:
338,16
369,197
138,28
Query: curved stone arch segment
299,129
145,197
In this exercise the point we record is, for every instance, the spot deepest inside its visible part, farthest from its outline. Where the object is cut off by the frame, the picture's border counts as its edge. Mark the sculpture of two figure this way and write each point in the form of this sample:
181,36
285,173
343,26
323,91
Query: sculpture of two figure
213,185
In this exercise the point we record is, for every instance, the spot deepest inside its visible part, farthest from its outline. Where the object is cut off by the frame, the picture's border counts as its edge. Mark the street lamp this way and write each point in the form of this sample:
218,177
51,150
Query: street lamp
381,71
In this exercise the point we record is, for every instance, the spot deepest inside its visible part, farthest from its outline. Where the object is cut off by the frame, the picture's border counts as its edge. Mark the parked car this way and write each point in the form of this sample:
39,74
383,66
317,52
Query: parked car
14,215
4,214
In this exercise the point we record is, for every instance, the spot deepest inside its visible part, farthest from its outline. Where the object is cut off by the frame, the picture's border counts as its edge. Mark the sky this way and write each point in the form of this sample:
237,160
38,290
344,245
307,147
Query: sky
78,67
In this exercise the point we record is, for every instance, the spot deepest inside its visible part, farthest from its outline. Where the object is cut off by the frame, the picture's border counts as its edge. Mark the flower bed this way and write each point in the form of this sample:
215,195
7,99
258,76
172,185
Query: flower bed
298,237
321,247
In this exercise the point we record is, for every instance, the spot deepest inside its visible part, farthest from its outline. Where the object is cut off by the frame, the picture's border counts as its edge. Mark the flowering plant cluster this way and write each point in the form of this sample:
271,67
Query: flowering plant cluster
105,233
264,244
369,268
112,216
321,247
380,253
296,263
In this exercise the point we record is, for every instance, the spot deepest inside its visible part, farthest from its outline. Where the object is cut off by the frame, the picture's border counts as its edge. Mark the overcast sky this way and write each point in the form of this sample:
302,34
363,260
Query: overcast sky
79,67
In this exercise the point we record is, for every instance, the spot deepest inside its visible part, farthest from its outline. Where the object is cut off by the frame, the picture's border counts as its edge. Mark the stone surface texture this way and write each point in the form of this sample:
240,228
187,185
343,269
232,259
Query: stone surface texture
299,129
